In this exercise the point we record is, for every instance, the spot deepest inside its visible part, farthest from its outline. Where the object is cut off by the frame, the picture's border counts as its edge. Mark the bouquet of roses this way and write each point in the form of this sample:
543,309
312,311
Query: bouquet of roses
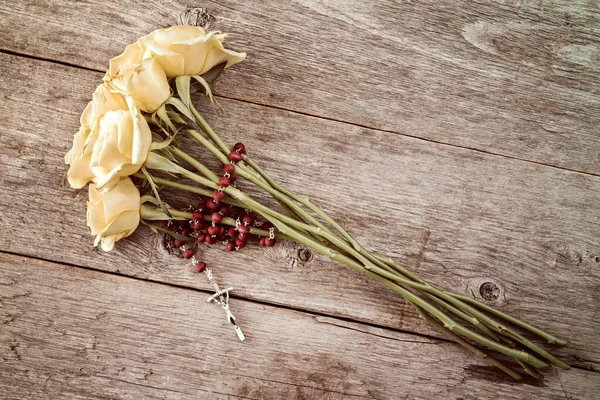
132,129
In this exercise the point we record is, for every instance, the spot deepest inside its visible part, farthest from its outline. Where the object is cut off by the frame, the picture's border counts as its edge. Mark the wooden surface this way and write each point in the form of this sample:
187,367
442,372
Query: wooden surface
71,332
461,140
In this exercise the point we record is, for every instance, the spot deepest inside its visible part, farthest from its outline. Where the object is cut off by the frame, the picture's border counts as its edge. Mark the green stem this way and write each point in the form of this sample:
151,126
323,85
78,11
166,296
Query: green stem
228,221
496,326
285,202
513,320
208,130
381,276
467,345
189,188
378,272
383,270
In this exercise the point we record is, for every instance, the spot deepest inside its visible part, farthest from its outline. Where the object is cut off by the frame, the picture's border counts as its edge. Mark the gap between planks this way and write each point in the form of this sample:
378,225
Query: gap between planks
291,110
331,319
322,317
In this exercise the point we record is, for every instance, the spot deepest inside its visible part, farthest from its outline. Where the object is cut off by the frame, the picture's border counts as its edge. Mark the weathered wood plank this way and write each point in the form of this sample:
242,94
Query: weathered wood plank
72,333
513,78
457,217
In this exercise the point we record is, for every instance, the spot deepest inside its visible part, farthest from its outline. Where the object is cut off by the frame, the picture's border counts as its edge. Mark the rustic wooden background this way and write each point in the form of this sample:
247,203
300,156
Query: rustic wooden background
460,137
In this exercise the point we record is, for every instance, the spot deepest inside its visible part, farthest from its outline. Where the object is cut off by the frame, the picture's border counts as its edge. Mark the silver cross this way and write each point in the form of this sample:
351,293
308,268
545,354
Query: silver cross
221,297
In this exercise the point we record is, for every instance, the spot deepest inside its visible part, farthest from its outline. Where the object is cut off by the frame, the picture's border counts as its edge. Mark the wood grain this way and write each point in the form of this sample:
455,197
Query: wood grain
506,77
72,333
457,217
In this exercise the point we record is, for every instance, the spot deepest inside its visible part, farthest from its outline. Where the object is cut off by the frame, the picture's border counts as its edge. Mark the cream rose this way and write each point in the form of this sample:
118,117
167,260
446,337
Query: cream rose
121,146
112,142
80,155
188,50
113,213
139,76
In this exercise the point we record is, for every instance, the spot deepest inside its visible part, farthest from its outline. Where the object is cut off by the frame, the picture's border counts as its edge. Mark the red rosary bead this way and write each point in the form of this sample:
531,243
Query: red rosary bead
230,246
243,229
216,218
200,266
229,168
224,211
196,225
235,156
213,230
218,195
240,148
211,204
188,253
224,181
231,232
249,219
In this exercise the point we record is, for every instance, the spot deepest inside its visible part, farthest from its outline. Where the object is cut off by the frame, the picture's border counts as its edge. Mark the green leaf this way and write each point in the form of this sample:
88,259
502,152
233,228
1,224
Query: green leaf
174,116
161,145
181,107
162,114
155,161
149,199
182,84
206,87
214,72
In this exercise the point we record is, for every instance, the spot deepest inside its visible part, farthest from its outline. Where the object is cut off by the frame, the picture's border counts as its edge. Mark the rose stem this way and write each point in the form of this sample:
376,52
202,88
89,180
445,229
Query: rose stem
303,200
421,287
217,140
342,245
241,171
381,275
550,338
374,258
467,345
189,188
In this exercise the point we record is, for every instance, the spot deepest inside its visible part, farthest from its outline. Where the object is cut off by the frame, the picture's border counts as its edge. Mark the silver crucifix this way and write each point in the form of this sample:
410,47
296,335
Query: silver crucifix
221,297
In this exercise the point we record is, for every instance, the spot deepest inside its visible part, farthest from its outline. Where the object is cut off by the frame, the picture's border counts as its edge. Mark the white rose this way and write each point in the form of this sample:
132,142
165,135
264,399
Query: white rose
122,143
113,213
80,155
188,50
142,78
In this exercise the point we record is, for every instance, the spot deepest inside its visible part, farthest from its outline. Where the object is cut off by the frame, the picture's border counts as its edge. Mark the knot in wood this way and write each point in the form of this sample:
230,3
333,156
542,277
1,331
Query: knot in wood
487,289
304,255
294,254
196,16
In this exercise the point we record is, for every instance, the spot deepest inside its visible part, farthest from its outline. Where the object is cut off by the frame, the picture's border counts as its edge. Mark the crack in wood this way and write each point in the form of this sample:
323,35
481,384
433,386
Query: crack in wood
300,385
